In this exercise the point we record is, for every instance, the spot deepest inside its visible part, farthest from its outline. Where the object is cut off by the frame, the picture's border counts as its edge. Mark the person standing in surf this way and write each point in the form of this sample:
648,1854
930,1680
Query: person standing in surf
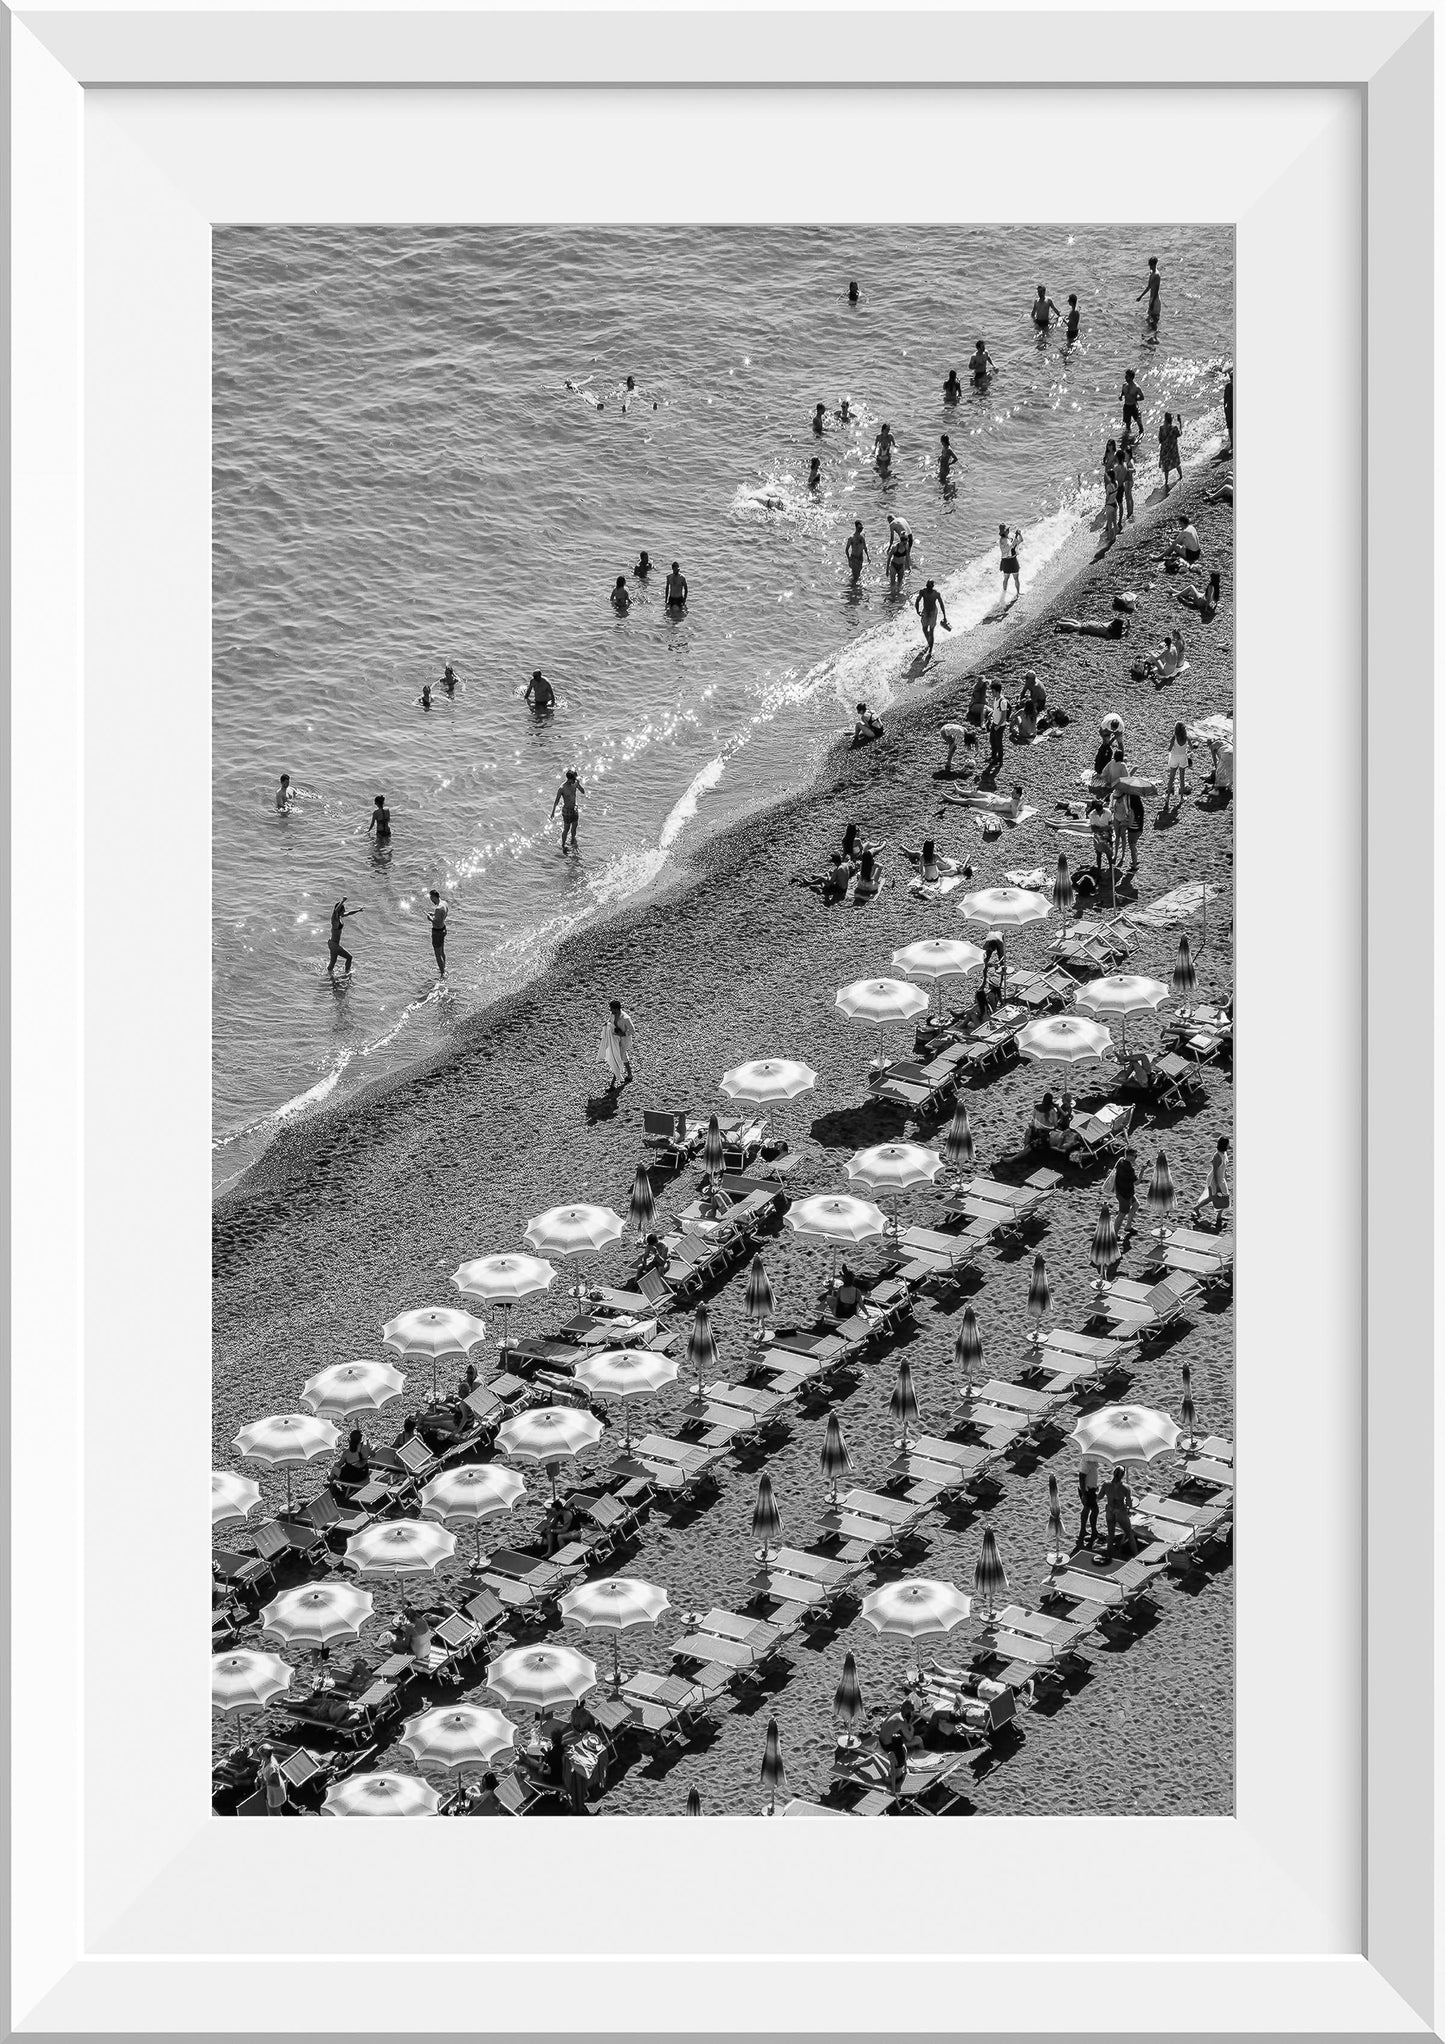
339,914
981,365
1008,551
1130,397
820,418
952,388
567,795
380,821
931,612
883,448
1169,449
947,463
284,797
621,596
1043,310
1071,329
539,691
437,917
1229,408
855,550
1151,290
675,593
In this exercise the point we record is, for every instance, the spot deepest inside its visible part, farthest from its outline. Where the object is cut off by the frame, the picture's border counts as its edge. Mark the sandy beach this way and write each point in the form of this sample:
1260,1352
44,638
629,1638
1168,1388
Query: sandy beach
354,1216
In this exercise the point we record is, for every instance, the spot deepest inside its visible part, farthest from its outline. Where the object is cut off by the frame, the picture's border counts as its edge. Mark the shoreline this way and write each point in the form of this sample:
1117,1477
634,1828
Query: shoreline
957,656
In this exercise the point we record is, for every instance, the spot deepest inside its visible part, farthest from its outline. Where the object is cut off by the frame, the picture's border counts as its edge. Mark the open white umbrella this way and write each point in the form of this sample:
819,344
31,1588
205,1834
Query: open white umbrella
626,1373
502,1281
1122,994
400,1547
285,1440
769,1081
381,1795
1005,909
233,1496
915,1607
245,1680
1125,1433
549,1434
541,1677
895,1168
574,1232
936,958
880,1000
476,1491
457,1735
317,1614
1062,1040
346,1388
836,1217
434,1332
614,1604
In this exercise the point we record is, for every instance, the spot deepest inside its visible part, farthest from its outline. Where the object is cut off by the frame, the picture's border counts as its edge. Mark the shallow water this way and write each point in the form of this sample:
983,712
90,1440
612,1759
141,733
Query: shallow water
403,478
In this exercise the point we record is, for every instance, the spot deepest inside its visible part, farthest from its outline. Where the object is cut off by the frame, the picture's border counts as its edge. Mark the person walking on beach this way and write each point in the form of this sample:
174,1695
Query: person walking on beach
1169,448
980,365
567,795
1126,1180
380,821
1131,397
437,917
339,914
929,605
1088,1502
1008,550
618,1035
284,797
1216,1186
674,595
855,550
1116,1515
539,691
1043,310
1151,289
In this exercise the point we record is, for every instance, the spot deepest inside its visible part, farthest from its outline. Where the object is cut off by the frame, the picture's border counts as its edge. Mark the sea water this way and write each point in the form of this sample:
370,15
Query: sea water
425,451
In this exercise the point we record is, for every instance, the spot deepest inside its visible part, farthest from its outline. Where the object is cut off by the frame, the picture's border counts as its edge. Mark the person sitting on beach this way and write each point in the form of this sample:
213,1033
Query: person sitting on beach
1205,601
952,388
931,612
354,1463
980,364
468,1380
1185,545
674,594
855,549
1043,309
1024,722
1008,551
870,880
1179,763
866,727
539,691
855,846
947,461
621,596
1092,628
883,447
1042,1124
932,865
832,885
1165,664
847,1293
284,796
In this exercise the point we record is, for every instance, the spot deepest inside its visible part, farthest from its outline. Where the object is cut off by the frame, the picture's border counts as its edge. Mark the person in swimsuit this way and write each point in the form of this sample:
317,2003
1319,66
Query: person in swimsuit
621,596
1205,601
953,736
855,549
425,697
1169,448
339,914
284,797
1124,484
883,448
1008,550
952,388
449,679
1151,289
832,885
931,612
852,292
1229,407
567,795
815,474
437,917
869,881
1179,760
947,462
866,727
380,821
644,566
819,418
980,365
1130,397
539,691
675,593
1043,310
1071,329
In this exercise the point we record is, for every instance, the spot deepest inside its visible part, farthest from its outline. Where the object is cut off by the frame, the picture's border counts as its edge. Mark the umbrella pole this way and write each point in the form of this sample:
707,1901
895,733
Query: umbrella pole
626,1427
616,1667
288,1490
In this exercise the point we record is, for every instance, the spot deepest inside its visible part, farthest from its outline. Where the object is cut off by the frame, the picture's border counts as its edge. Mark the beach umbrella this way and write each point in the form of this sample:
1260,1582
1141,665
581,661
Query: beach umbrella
1063,891
1137,784
549,1434
1062,1040
615,1604
894,1167
641,1206
701,1345
317,1614
1186,1412
989,1581
381,1795
1122,994
768,1081
1182,980
836,1217
903,1405
1125,1433
694,1803
936,958
848,1702
958,1143
968,1349
1104,1249
880,1000
833,1458
502,1281
457,1735
626,1373
758,1299
233,1496
771,1772
541,1677
400,1547
712,1146
1056,1549
434,1332
1161,1193
767,1525
284,1440
476,1491
1041,1293
347,1388
245,1680
573,1231
915,1606
1005,909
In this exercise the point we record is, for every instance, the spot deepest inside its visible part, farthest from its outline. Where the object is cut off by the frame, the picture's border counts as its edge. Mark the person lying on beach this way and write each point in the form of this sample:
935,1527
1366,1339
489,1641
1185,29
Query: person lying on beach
284,796
674,594
870,880
981,364
1006,806
855,549
621,596
952,388
883,447
931,612
354,1463
1008,550
953,736
654,1257
832,885
539,691
947,461
1092,628
866,726
1223,495
1205,601
567,795
1024,722
931,864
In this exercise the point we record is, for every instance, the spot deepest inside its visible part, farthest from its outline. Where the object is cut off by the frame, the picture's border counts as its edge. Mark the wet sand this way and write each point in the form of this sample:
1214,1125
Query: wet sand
354,1216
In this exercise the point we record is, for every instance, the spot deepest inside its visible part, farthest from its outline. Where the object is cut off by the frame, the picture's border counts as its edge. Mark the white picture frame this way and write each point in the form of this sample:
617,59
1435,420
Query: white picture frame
1315,1909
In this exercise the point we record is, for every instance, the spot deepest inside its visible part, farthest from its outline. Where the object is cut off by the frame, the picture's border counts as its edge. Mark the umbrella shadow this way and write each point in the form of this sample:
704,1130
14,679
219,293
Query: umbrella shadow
855,1128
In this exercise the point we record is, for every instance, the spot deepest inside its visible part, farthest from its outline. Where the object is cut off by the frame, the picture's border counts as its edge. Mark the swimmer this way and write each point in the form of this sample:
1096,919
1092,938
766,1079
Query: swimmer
425,697
1071,329
929,605
644,566
675,594
855,550
380,821
845,411
1043,310
852,291
883,448
539,691
815,474
819,418
952,388
981,365
621,597
449,679
947,461
284,796
1152,290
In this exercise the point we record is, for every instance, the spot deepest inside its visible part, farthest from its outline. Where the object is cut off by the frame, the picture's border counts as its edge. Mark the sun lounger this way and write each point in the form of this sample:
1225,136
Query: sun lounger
960,1699
815,1567
669,1709
1145,1309
920,1089
1041,992
666,1133
1035,1413
801,1807
1091,948
1202,1035
249,1570
1024,1201
941,1253
1206,1474
1207,1258
1065,1360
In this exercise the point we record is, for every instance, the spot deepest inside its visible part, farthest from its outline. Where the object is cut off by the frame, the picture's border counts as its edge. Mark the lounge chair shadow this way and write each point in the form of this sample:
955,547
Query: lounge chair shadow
857,1127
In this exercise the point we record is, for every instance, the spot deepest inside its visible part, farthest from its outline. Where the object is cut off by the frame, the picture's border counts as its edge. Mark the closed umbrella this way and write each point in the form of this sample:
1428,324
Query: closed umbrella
549,1434
246,1680
641,1206
1041,1295
968,1349
767,1525
958,1143
615,1604
758,1299
694,1803
895,1168
989,1581
1186,1412
233,1496
848,1705
833,1458
457,1736
903,1405
1063,891
712,1146
701,1345
1122,994
502,1281
1056,1550
1005,909
574,1231
771,1773
346,1388
1182,980
317,1614
476,1491
381,1795
1125,1433
626,1373
914,1607
881,1002
284,1440
434,1332
541,1677
767,1081
400,1547
1062,1040
1104,1249
836,1217
1161,1194
937,958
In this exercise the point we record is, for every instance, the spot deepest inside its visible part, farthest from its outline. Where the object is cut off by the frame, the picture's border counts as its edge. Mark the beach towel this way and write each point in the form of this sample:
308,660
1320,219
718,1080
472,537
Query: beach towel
927,889
1032,881
1214,727
1180,905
